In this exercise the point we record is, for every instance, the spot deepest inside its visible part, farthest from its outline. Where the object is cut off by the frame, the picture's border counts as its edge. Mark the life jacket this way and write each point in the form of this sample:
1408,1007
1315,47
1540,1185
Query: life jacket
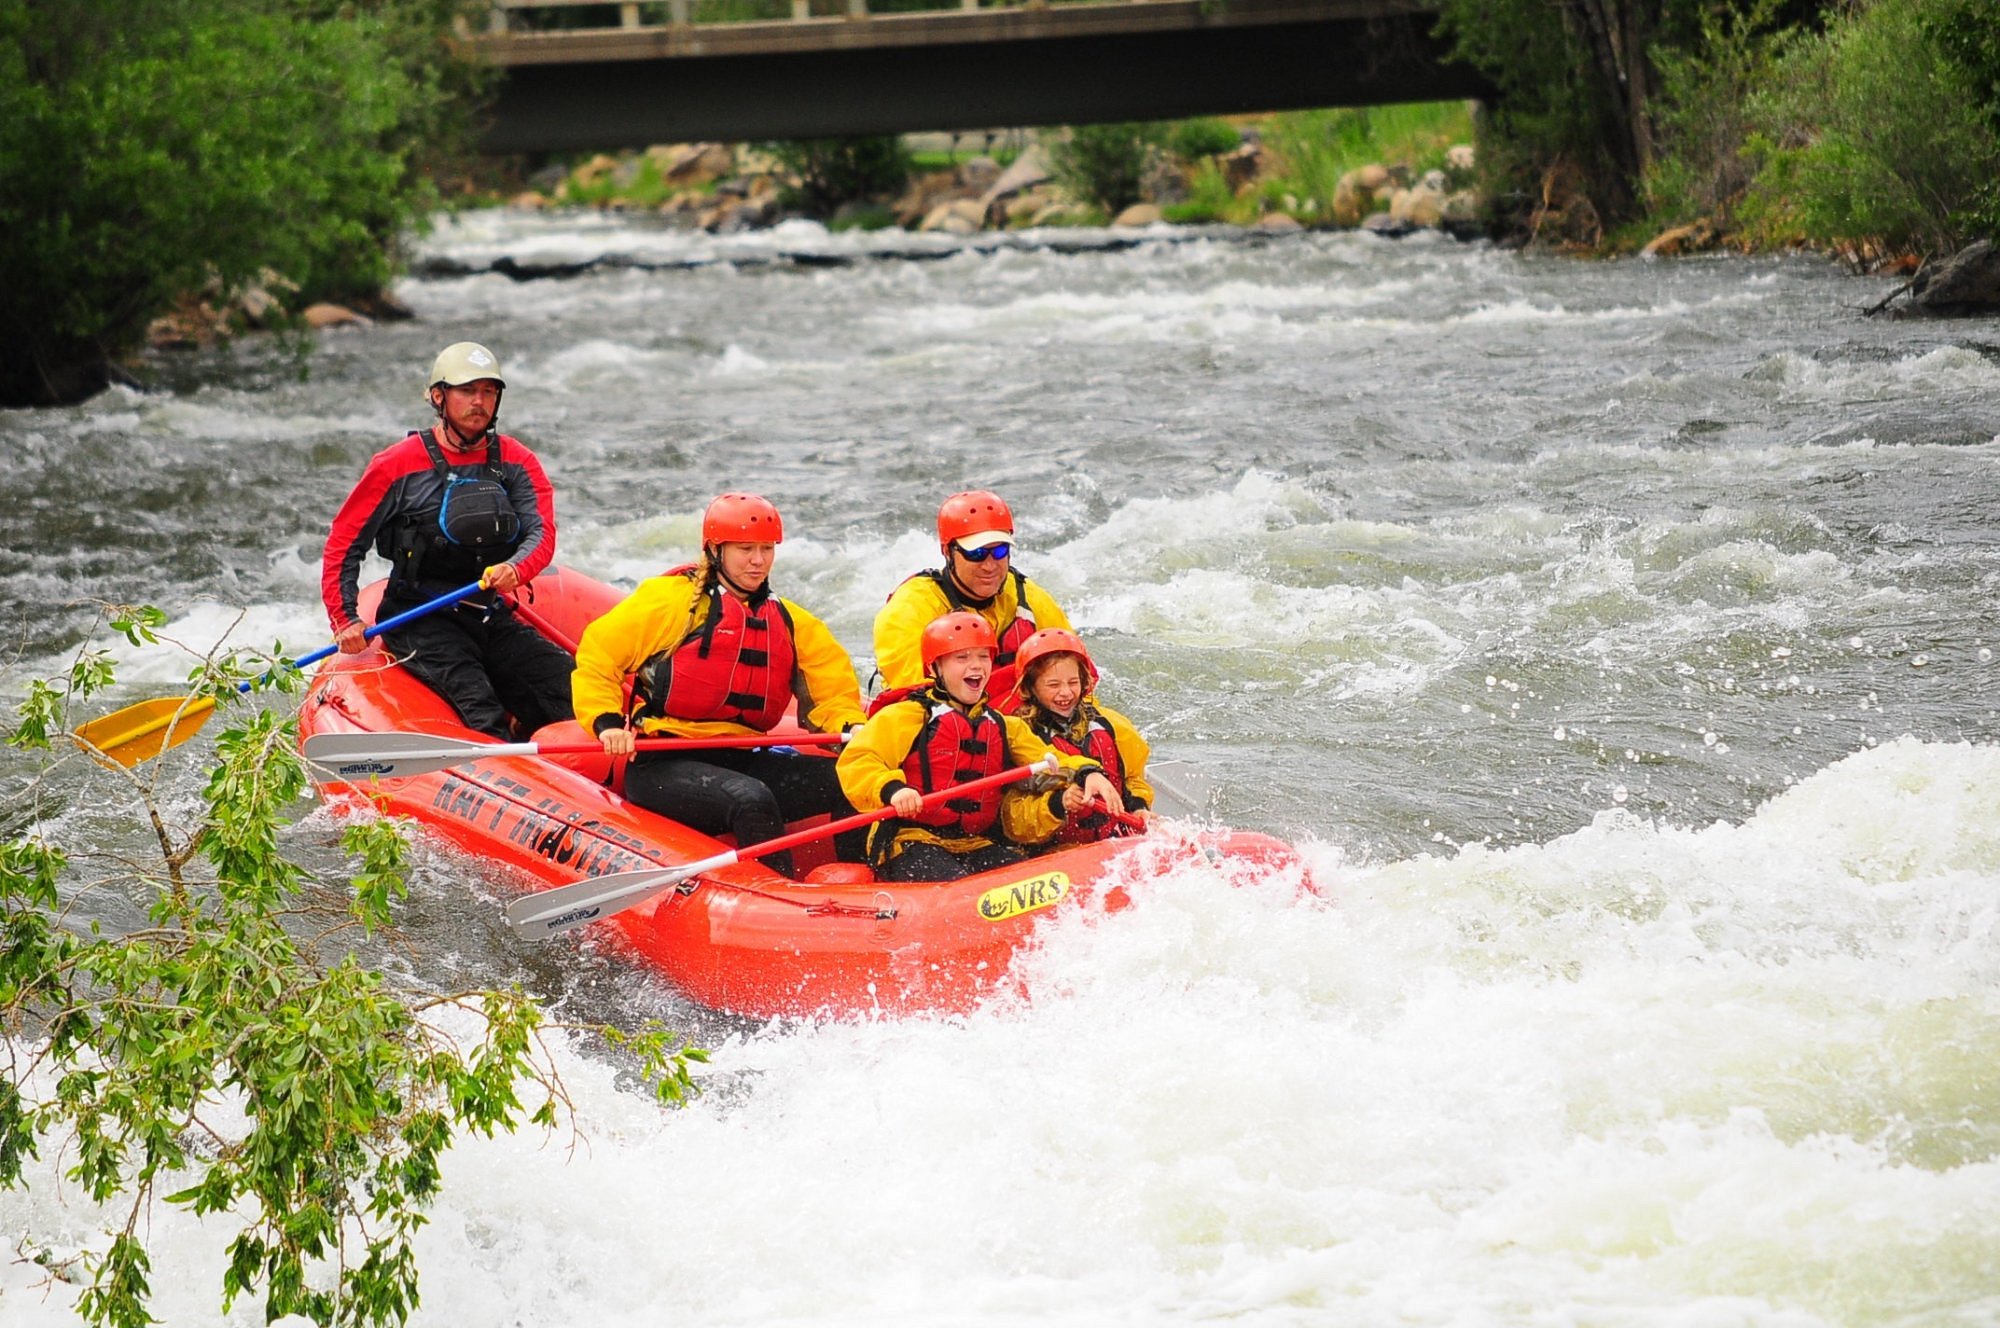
740,666
1100,744
473,526
1000,686
951,748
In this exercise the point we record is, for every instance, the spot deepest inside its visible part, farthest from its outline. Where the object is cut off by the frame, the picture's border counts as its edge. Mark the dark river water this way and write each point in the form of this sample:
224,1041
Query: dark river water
1615,638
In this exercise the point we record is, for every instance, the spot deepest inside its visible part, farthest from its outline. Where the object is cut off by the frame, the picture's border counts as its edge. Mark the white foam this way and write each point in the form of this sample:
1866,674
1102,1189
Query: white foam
1643,1074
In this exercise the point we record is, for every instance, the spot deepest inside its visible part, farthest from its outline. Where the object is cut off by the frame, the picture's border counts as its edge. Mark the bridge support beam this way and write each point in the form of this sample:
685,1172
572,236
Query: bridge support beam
1078,79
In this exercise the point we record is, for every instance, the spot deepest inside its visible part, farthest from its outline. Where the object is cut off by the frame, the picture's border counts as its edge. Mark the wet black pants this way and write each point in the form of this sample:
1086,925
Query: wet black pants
488,668
747,793
924,861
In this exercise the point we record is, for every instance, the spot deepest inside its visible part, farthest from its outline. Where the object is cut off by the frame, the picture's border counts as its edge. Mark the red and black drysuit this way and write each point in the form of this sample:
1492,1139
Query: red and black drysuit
442,518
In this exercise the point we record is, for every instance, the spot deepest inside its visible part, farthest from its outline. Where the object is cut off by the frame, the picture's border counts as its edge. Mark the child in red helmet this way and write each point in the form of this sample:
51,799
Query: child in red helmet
920,739
1059,702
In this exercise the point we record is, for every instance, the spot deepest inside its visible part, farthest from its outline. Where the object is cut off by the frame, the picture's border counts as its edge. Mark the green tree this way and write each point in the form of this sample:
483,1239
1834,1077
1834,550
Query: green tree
154,147
233,1056
833,171
1104,164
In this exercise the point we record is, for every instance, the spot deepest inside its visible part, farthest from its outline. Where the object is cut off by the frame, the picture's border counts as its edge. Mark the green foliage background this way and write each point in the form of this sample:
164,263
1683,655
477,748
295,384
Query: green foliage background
155,147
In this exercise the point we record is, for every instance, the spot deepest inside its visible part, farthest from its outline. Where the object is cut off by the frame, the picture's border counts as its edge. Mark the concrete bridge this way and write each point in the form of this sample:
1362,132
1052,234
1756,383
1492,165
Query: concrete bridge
662,76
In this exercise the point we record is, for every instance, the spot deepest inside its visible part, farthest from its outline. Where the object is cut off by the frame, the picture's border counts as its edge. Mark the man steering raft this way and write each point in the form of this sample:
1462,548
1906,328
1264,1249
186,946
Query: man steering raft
456,503
976,536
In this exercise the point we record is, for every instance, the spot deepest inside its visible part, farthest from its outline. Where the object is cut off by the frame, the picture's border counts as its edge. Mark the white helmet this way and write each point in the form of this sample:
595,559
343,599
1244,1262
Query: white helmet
461,363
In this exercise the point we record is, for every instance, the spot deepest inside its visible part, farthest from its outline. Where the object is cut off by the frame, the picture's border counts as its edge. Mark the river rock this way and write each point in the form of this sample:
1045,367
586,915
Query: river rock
1694,236
1278,223
1139,214
977,174
1459,157
1029,169
332,315
1461,220
1389,227
688,164
1241,168
1423,203
960,216
1373,177
1967,283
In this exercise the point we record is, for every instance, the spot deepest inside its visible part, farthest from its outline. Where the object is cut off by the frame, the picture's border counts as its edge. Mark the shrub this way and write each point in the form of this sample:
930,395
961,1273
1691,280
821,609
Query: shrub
1197,140
1703,115
1875,130
832,171
1104,164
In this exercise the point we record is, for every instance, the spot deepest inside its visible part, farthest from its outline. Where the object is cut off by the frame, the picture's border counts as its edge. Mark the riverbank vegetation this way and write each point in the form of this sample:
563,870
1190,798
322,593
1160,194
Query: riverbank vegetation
1868,126
219,1045
155,149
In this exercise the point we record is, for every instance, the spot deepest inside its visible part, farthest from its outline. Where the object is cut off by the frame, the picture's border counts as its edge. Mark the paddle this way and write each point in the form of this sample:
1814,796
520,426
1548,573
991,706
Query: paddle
1179,788
351,756
548,912
141,732
1126,819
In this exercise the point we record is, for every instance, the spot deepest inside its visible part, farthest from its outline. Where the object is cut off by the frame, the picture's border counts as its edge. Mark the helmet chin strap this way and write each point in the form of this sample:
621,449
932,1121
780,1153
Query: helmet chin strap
485,438
965,591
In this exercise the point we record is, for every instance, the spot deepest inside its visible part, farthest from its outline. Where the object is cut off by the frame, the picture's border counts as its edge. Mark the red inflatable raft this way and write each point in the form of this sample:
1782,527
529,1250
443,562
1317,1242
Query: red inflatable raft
744,939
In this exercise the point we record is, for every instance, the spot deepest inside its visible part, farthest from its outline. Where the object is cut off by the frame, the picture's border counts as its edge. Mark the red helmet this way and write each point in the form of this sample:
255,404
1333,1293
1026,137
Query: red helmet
976,516
955,632
741,518
1047,643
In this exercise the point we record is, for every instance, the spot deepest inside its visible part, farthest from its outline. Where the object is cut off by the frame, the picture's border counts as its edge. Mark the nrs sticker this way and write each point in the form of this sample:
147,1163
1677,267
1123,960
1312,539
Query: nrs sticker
1011,901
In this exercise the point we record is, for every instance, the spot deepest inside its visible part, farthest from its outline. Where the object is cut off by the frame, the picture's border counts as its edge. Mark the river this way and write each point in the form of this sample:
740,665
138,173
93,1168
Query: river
1613,637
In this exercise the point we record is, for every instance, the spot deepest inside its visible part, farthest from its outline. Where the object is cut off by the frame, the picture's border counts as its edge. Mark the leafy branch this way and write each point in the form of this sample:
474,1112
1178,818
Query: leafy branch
232,1057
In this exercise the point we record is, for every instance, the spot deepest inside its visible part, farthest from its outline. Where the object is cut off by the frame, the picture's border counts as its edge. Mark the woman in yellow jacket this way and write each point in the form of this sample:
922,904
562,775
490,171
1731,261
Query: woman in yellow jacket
712,652
1059,702
921,739
976,537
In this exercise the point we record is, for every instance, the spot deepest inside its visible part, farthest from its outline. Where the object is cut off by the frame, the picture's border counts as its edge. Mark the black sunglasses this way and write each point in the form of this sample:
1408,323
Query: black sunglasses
990,551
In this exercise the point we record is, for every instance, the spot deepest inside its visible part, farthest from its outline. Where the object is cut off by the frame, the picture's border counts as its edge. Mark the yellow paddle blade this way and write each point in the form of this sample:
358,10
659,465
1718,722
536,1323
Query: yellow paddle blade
141,732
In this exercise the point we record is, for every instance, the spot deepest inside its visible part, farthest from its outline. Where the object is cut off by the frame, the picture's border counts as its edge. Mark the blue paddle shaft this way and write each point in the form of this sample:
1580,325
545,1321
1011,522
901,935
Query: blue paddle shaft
407,615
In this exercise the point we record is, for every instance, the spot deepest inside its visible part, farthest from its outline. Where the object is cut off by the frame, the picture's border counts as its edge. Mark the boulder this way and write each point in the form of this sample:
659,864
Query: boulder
1278,223
949,218
1459,157
1241,168
1422,204
1057,213
1372,177
331,315
591,172
977,174
1461,218
530,200
1389,227
1688,239
1029,169
1139,214
1967,283
688,164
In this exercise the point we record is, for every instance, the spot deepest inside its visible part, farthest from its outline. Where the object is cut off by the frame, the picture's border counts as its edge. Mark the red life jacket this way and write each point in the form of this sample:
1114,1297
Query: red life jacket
1100,744
951,748
740,666
1000,693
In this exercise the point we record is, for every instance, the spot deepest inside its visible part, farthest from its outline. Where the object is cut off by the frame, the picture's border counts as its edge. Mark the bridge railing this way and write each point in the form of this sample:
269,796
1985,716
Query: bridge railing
521,16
